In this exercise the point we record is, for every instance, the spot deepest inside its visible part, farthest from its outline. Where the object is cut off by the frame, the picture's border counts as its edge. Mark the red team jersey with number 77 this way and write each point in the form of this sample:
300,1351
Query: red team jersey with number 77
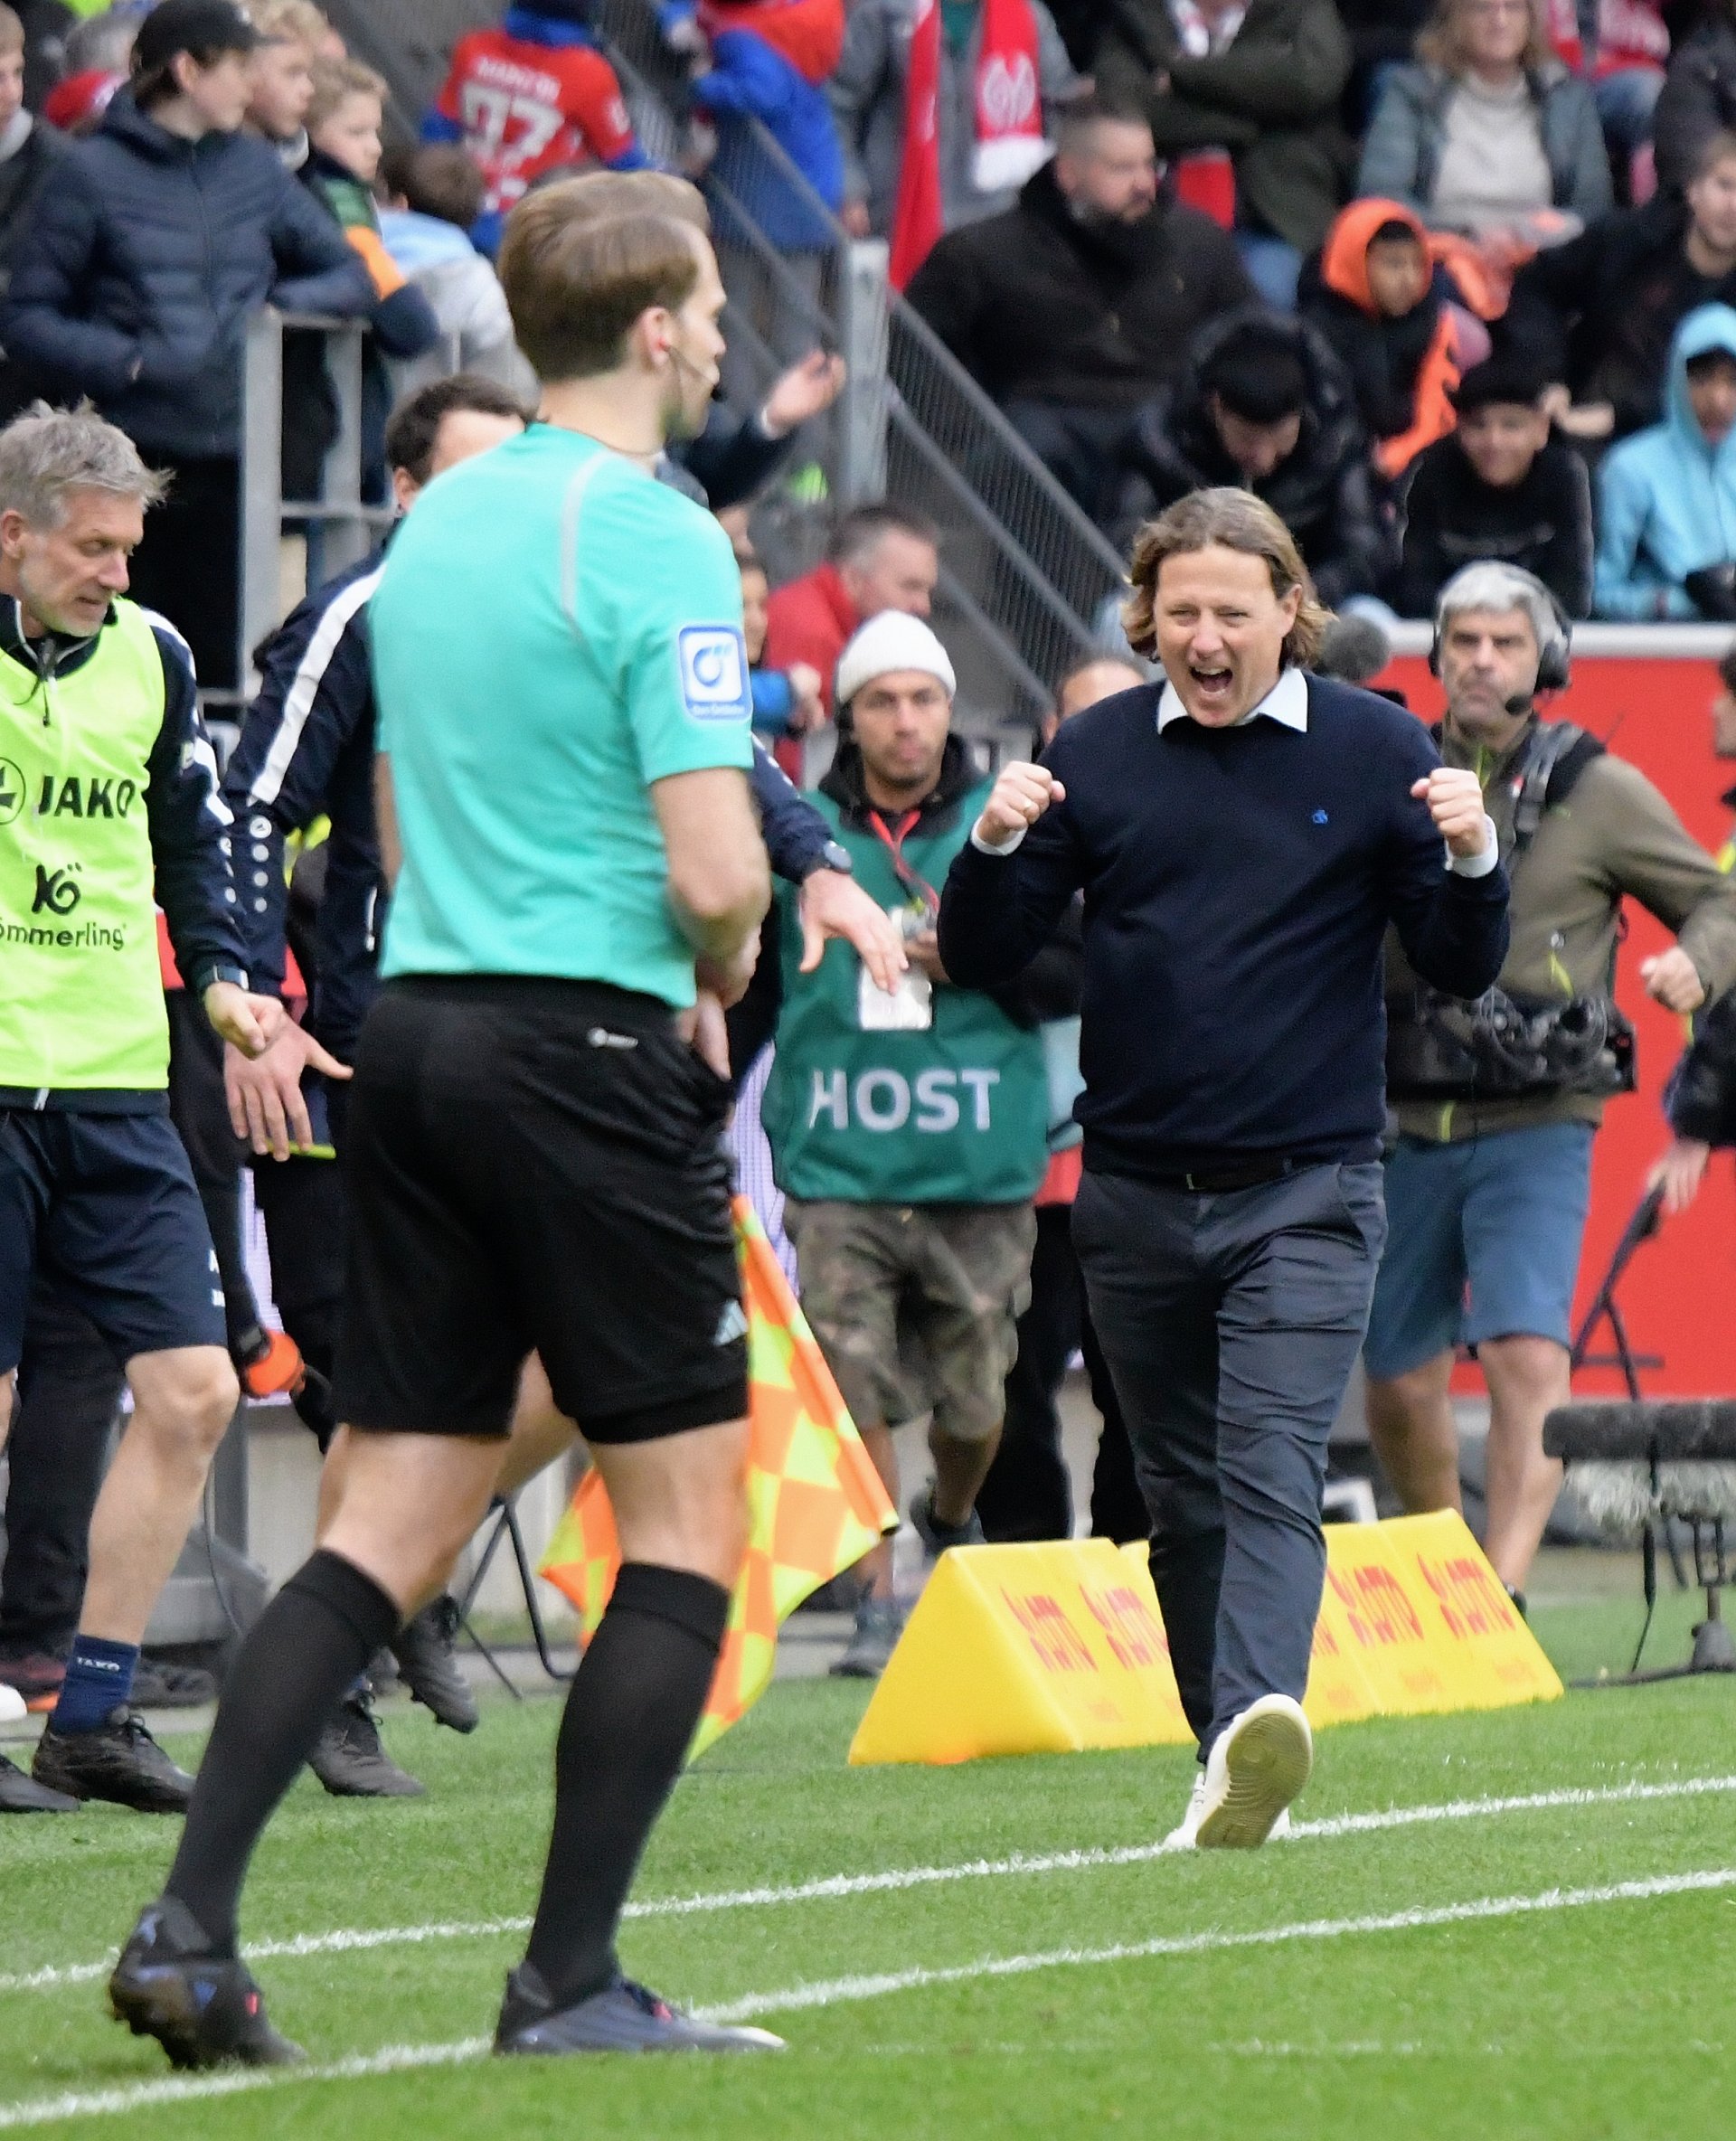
530,109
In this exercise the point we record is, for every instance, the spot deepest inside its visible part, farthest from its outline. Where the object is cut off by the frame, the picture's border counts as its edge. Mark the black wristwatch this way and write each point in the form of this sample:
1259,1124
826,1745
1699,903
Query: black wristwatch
833,856
238,974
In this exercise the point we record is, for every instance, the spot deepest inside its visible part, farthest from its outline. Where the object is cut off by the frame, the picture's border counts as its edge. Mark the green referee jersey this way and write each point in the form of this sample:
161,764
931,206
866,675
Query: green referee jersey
555,630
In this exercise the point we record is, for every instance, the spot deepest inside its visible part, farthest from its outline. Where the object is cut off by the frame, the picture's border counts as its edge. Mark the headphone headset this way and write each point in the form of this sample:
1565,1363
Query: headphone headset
1555,665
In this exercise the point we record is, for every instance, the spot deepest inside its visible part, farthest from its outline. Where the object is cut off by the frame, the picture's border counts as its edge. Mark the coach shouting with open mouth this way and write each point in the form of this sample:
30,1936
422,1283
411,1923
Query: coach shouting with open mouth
1243,835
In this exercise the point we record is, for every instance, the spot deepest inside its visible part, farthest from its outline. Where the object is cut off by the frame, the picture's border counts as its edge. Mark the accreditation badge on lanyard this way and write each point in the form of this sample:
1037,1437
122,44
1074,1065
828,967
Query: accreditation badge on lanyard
909,1008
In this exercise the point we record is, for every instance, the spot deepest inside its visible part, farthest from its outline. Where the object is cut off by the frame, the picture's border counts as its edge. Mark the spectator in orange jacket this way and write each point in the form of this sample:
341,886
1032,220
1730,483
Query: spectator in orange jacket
1392,314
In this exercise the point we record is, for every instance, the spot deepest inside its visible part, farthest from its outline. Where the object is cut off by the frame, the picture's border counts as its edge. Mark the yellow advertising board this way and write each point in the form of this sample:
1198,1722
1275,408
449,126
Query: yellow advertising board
1049,1649
1036,1649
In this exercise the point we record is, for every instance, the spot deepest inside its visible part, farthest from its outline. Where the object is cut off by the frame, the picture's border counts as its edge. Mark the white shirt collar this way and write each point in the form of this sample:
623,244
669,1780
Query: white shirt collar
1287,704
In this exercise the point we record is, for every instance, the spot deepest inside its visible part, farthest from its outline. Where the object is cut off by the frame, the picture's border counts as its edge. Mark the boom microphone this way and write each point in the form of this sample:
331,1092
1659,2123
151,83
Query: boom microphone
1353,649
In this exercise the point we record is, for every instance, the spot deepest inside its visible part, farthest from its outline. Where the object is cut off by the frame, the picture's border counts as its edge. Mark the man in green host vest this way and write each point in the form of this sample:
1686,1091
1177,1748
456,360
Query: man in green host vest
908,1131
108,798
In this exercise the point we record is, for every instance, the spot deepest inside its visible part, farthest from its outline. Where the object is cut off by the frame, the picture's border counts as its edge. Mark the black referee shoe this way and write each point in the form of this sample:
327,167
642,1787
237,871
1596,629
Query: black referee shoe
426,1650
203,2010
118,1762
622,2017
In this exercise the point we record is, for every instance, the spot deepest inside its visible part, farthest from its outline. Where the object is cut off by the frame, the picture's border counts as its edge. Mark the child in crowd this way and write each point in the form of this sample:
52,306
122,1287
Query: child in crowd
1666,532
1501,485
786,703
1394,318
435,194
764,64
344,123
532,97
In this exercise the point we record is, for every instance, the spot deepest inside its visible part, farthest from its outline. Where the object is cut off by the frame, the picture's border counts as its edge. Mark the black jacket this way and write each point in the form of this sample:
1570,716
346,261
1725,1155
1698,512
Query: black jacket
1600,312
1270,98
136,275
1383,31
1698,100
1451,518
21,178
1701,1098
1037,306
1325,492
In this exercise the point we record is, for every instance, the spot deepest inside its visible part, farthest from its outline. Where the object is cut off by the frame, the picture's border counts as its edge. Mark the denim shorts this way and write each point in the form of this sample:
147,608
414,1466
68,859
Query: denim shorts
1483,1241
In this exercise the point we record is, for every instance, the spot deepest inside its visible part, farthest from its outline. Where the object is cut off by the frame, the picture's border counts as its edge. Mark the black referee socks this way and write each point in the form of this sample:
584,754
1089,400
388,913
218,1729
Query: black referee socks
628,1724
300,1656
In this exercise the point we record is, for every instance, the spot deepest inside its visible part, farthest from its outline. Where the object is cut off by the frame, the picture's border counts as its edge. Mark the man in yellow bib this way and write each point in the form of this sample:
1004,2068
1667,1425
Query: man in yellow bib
108,803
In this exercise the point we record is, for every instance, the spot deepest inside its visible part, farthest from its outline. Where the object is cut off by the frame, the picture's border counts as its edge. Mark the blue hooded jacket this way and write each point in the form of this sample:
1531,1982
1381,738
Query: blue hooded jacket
1667,498
770,63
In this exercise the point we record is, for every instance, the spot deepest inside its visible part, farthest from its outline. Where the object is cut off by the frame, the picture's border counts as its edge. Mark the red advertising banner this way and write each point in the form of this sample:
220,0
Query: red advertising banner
1679,1296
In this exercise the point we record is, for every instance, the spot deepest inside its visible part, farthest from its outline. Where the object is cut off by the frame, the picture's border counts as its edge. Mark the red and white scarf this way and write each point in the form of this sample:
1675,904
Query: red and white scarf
1008,118
1630,33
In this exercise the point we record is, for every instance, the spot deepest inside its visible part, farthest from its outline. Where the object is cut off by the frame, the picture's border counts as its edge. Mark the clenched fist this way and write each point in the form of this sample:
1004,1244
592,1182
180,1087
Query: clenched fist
1019,798
1454,800
1674,980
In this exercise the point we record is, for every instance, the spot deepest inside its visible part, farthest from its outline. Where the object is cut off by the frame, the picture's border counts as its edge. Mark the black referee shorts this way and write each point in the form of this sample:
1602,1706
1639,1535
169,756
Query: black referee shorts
536,1166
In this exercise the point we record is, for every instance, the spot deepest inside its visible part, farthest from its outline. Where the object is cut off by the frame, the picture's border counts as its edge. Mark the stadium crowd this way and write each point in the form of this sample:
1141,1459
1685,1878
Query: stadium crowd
1450,289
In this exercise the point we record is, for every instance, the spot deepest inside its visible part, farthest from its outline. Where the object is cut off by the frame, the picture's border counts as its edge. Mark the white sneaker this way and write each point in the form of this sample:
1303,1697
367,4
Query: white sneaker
11,1704
1253,1772
1184,1836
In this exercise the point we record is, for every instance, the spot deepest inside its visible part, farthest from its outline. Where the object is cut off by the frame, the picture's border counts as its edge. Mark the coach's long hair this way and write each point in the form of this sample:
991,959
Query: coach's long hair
1233,520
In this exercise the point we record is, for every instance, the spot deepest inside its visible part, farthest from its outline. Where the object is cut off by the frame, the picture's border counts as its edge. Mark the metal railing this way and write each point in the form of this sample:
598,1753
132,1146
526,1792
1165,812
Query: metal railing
1025,574
338,527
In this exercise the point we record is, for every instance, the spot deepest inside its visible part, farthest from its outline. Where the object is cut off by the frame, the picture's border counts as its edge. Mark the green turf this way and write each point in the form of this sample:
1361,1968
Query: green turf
1608,2020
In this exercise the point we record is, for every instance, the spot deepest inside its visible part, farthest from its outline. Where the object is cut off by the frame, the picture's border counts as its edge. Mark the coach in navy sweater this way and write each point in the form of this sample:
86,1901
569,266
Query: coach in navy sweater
1243,837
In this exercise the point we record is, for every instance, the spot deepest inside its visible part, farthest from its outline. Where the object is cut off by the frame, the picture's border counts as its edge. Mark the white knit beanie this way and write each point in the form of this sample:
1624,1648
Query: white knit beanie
885,644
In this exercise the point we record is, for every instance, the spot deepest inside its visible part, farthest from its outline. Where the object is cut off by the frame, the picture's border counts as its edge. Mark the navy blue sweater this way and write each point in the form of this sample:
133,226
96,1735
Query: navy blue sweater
1237,885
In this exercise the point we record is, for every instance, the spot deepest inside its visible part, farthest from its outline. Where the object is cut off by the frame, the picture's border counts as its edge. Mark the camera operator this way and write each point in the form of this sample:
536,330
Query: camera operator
1496,1103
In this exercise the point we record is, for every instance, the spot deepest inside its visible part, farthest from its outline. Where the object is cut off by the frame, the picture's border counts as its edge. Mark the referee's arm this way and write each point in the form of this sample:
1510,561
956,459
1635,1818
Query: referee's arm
719,881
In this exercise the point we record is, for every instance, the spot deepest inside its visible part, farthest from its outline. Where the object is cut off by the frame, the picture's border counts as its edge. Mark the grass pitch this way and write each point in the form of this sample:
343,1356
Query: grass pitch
1562,1968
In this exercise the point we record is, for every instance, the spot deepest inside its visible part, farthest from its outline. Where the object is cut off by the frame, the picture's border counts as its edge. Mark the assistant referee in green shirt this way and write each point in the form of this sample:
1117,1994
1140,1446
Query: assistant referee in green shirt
534,1150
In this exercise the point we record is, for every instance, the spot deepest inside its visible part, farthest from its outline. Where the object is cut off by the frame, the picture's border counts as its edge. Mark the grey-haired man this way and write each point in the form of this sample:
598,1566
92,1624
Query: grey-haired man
1497,1105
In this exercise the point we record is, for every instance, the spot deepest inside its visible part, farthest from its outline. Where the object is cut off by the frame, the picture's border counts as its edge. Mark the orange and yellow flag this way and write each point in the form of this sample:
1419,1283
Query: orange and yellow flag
816,1502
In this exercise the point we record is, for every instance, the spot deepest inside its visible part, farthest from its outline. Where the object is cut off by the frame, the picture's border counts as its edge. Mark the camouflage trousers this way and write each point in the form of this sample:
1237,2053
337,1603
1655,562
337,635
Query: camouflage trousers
915,1306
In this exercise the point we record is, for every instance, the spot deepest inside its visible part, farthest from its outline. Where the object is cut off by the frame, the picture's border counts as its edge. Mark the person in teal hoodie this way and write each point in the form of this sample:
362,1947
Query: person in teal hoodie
1667,543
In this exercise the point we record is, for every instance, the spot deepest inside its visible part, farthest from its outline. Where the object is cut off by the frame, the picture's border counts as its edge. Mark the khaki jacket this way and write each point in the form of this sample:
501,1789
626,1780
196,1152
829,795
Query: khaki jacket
1614,837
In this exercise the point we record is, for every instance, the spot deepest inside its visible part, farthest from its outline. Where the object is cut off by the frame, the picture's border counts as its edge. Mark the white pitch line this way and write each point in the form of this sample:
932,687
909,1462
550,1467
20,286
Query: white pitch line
51,1977
106,2103
836,1990
839,1991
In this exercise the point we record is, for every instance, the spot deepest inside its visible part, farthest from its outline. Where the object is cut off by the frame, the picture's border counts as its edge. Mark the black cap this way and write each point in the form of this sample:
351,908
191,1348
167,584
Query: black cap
191,26
1498,379
1258,372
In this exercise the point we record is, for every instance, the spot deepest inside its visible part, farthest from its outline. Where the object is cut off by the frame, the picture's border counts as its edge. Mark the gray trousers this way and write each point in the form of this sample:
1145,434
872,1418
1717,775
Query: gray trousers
1231,1324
